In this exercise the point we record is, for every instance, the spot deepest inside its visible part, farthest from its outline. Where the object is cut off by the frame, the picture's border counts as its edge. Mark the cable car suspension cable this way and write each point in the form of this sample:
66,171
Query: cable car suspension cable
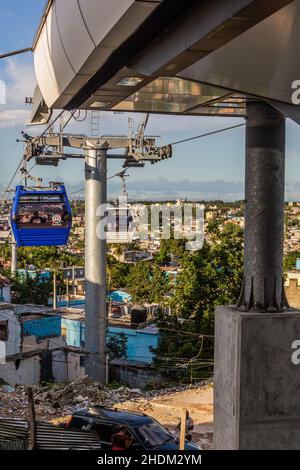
218,131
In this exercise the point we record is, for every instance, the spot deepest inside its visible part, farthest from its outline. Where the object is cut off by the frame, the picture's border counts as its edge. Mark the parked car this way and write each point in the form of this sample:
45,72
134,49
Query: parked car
146,432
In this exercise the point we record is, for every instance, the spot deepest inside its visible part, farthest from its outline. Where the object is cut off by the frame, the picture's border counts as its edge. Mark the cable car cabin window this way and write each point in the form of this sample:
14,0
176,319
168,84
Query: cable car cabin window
119,220
42,211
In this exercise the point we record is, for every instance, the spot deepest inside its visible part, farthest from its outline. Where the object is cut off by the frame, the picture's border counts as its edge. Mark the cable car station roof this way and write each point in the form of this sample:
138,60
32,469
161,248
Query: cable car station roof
163,56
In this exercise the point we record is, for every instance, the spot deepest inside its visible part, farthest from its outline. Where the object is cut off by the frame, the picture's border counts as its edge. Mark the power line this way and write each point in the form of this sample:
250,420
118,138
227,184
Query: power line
186,332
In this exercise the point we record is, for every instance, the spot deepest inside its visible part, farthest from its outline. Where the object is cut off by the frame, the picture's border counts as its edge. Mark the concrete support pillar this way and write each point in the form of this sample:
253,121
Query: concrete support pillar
257,371
256,380
264,209
95,266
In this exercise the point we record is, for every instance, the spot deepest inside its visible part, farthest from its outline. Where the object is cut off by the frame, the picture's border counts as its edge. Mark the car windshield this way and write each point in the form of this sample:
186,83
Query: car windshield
153,434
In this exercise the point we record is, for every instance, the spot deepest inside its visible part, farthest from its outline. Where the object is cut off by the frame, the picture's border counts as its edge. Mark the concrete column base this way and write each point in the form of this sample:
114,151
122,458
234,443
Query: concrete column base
257,380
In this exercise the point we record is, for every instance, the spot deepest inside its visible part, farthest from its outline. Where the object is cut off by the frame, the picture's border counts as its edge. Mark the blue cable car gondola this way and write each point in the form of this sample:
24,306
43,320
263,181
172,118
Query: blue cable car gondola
41,216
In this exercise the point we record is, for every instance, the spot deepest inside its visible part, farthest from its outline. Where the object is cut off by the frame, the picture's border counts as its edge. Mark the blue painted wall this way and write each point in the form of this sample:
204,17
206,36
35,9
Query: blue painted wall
42,327
116,296
65,303
119,296
139,342
33,275
75,332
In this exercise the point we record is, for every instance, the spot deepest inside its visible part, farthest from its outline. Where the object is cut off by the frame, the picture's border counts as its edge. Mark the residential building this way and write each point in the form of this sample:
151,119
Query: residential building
5,289
292,288
33,349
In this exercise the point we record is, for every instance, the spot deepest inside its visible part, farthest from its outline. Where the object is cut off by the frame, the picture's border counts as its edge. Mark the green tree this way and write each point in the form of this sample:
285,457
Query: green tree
169,248
209,277
47,257
164,253
290,260
117,346
30,291
159,285
38,290
138,282
147,283
118,275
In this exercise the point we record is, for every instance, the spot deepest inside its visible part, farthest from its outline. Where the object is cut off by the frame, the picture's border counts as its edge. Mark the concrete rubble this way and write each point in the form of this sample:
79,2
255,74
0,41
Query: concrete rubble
55,402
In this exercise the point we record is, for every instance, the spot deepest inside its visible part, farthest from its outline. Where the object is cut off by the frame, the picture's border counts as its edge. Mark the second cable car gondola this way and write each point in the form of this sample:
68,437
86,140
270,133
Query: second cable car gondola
41,216
4,229
120,225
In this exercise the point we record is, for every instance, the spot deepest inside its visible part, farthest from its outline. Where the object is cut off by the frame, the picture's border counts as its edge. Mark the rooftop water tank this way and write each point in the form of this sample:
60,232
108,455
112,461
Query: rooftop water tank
138,314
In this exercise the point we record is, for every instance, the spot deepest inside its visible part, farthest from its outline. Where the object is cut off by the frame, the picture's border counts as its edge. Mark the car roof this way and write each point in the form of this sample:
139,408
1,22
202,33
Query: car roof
117,416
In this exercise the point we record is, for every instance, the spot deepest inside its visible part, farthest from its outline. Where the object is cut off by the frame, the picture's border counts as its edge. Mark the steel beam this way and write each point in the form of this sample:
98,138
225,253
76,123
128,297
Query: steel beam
203,28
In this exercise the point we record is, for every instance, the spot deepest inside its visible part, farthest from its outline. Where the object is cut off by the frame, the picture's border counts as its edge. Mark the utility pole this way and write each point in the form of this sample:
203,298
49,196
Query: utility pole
54,292
95,265
31,420
14,258
67,292
182,429
73,279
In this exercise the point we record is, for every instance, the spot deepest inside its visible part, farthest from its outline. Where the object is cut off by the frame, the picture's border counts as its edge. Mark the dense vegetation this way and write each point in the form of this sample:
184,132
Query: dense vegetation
207,278
43,257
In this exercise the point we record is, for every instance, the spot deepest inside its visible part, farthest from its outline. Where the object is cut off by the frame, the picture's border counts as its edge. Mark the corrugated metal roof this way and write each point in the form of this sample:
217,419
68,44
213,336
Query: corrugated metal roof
14,435
50,437
19,444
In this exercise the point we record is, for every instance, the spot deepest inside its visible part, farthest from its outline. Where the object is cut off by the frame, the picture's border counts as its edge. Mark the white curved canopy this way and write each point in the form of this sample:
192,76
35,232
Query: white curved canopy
168,57
75,39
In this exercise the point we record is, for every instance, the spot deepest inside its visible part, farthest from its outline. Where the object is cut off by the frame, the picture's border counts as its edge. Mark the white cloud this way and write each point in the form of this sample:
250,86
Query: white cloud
20,80
13,117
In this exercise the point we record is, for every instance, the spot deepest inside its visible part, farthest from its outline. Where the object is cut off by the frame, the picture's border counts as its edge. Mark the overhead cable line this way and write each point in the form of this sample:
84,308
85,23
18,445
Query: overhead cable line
110,177
52,122
218,131
11,181
20,51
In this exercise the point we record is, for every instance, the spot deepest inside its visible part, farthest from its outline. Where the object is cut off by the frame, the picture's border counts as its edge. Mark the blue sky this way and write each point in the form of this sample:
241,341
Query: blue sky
204,169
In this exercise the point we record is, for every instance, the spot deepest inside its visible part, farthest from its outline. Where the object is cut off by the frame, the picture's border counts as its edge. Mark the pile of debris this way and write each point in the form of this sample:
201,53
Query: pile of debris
57,400
61,399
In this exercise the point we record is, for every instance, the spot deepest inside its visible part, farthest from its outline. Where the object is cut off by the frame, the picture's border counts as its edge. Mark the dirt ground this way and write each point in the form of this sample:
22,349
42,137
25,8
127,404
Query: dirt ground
167,409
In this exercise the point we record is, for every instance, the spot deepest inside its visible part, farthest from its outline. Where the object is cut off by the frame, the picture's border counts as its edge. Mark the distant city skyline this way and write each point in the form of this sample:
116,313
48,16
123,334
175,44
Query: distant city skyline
209,168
